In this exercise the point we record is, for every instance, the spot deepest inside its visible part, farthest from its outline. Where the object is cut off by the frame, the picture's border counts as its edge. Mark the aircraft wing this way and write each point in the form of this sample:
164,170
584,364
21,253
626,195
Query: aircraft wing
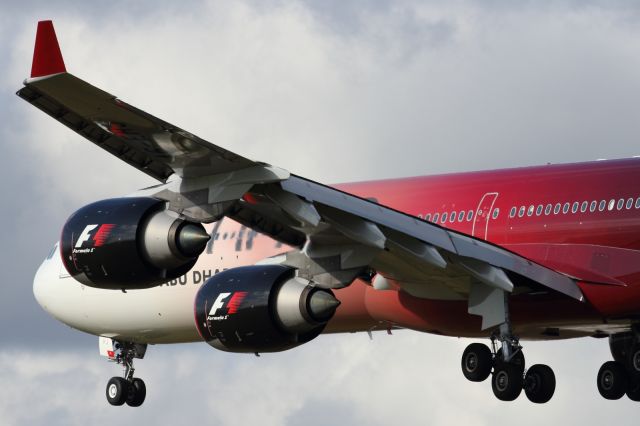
337,237
146,142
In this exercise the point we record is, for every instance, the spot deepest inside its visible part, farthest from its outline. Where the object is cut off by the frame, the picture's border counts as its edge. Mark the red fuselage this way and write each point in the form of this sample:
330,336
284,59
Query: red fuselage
580,219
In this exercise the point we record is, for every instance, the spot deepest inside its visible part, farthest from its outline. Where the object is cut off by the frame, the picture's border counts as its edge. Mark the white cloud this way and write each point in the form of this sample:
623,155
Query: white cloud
406,378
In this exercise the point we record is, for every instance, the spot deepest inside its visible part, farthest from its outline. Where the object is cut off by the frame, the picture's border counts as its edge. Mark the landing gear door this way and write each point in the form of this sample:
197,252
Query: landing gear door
482,215
106,347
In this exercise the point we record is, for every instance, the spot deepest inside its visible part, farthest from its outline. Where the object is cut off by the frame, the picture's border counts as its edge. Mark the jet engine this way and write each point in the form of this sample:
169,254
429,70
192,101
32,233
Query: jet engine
262,308
129,243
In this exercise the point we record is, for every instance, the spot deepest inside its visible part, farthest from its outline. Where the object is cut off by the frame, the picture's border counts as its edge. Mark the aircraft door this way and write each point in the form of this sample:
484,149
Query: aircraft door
482,215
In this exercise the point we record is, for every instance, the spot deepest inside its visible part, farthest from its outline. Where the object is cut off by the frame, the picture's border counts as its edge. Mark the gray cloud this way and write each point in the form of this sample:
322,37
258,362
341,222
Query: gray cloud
406,378
331,91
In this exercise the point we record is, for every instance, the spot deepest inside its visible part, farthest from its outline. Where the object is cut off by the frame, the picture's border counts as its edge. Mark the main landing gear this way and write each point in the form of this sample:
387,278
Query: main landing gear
506,364
622,375
127,389
504,361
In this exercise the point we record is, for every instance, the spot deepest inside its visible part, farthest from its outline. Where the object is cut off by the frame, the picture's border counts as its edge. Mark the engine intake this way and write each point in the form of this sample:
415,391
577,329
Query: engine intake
129,243
262,308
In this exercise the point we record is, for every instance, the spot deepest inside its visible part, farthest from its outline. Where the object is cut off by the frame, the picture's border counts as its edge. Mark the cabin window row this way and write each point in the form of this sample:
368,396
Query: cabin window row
455,216
574,207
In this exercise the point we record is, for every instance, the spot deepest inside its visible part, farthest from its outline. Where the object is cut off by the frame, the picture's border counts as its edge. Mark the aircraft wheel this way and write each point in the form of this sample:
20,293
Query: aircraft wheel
117,390
137,393
506,381
612,380
476,362
633,390
539,383
633,362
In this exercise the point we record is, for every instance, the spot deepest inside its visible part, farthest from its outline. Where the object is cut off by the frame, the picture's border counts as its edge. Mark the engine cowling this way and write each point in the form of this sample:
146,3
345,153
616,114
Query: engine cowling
129,243
262,308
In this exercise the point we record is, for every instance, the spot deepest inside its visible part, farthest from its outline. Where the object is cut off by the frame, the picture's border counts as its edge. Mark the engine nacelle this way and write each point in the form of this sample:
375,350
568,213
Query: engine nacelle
262,308
129,243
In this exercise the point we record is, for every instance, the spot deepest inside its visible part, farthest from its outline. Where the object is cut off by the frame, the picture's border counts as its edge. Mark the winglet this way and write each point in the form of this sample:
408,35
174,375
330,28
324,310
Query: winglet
47,58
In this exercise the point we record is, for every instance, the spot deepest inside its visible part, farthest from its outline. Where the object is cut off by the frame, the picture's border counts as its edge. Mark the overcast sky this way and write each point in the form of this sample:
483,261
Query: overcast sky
334,91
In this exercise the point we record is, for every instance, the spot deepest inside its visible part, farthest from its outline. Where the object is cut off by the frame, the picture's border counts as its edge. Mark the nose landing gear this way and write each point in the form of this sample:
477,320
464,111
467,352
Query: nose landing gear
127,389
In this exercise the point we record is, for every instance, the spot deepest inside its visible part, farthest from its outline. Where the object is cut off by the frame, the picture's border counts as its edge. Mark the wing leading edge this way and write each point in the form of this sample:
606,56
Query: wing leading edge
339,237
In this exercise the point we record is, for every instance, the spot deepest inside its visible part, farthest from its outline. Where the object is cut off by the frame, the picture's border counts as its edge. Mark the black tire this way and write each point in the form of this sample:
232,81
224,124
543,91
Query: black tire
117,390
506,381
517,360
137,393
476,362
633,361
620,345
633,390
612,380
539,383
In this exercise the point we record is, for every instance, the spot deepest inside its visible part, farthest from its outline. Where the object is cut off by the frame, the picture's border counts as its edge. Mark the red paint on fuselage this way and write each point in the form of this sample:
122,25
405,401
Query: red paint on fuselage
601,247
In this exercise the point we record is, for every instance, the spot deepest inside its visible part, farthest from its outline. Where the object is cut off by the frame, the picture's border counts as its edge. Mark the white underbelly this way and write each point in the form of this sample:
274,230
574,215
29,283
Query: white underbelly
157,315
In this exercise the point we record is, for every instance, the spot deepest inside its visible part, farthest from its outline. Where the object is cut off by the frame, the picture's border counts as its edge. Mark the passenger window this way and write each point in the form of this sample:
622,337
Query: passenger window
469,215
444,217
539,210
521,211
435,217
638,203
428,217
556,209
512,212
530,210
629,203
620,204
575,206
461,216
565,208
547,210
602,205
452,218
612,204
592,207
495,213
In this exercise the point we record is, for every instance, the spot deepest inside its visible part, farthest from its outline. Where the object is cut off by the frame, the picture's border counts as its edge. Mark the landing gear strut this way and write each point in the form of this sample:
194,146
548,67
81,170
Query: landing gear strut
506,363
127,389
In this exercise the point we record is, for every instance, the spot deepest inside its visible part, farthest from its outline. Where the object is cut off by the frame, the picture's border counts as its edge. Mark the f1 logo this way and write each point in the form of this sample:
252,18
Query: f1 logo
98,239
232,306
86,234
219,303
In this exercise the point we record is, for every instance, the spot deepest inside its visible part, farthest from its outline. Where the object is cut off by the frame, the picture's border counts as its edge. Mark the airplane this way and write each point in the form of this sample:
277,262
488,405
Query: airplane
251,258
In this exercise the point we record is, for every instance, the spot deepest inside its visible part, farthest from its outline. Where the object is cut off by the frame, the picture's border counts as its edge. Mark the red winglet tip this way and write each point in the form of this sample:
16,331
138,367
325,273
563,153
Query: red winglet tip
47,58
